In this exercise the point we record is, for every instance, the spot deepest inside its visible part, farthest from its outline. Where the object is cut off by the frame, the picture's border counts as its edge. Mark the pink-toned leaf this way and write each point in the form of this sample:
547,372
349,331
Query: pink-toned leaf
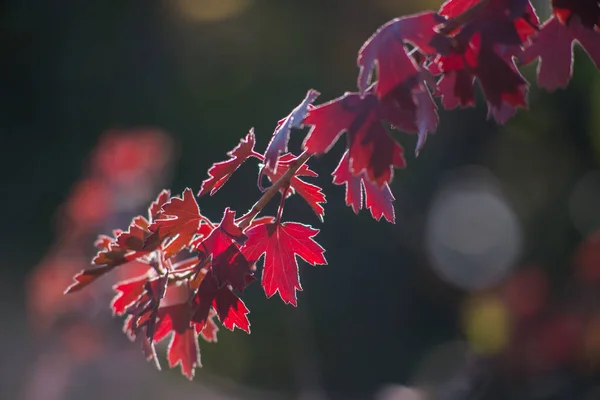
371,148
553,45
386,51
220,172
378,200
281,136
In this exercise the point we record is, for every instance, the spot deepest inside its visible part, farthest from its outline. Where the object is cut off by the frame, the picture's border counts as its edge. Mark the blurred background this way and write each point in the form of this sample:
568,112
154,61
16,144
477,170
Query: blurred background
487,286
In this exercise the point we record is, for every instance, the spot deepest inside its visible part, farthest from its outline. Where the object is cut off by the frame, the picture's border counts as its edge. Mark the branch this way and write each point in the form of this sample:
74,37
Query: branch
247,218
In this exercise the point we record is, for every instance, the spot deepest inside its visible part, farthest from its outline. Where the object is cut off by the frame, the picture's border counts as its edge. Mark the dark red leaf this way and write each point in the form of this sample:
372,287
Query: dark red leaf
371,148
281,243
179,220
220,172
378,200
386,51
183,348
230,309
483,50
313,194
554,47
281,136
229,265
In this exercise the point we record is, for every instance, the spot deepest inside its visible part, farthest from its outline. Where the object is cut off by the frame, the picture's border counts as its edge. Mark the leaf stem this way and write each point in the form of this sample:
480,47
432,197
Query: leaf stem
245,220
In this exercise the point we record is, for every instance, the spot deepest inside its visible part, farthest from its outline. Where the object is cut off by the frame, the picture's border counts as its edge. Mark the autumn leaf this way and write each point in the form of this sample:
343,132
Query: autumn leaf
183,349
210,328
123,249
178,220
127,293
313,194
371,149
483,50
230,309
220,172
281,243
553,45
377,200
386,52
228,264
281,136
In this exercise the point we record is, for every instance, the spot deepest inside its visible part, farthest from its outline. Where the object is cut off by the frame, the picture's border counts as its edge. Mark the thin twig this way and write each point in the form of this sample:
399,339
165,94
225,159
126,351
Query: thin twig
247,218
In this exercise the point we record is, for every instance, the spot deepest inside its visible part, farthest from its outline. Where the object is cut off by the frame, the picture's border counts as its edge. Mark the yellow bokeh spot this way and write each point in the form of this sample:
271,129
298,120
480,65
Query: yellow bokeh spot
486,322
212,10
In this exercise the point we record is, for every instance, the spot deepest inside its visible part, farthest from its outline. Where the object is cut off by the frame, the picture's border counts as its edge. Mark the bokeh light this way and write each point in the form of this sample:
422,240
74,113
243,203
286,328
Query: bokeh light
472,235
212,10
486,322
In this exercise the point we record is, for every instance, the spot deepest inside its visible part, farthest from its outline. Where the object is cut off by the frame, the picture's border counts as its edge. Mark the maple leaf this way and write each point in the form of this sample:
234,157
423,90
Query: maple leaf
230,309
178,220
220,172
281,243
183,349
313,194
157,204
377,200
229,265
588,11
385,51
371,149
210,328
483,50
553,45
281,136
129,291
113,253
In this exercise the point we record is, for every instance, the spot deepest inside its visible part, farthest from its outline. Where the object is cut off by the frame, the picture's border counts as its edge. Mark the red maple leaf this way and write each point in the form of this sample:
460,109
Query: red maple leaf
313,194
127,293
183,348
220,172
385,51
371,149
178,220
230,309
229,265
154,209
377,200
483,50
554,47
281,136
210,328
281,243
126,247
588,11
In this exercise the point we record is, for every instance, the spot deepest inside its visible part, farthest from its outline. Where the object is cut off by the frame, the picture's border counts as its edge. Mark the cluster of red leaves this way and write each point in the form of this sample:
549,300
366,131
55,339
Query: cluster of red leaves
198,268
